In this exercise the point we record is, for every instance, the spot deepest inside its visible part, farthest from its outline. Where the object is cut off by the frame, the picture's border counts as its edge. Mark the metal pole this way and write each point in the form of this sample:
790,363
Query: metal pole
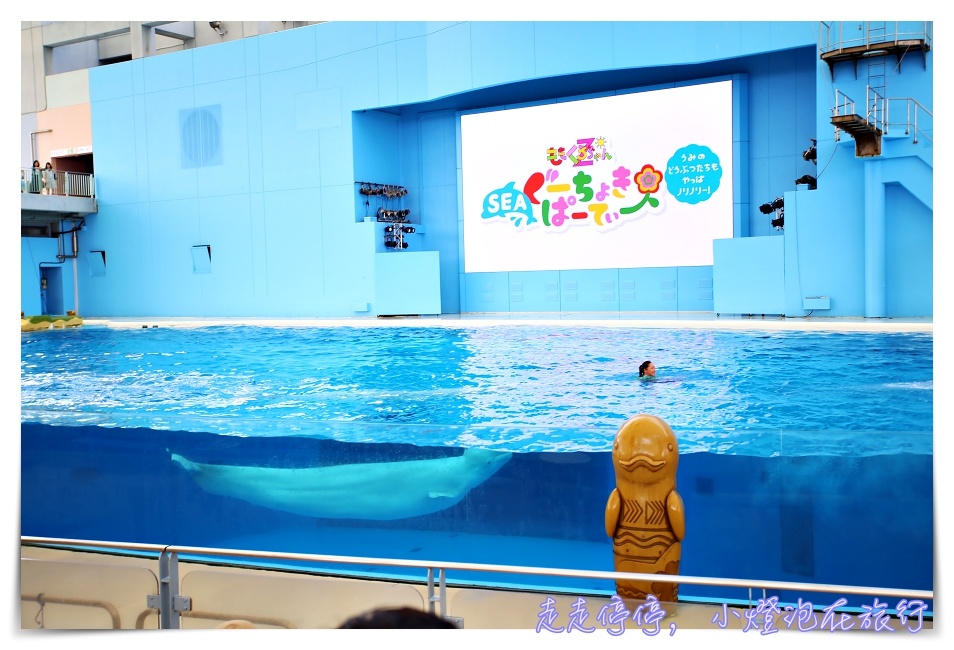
170,602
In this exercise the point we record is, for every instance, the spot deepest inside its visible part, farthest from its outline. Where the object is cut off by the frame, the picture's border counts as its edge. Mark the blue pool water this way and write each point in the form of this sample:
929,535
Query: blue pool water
512,388
804,457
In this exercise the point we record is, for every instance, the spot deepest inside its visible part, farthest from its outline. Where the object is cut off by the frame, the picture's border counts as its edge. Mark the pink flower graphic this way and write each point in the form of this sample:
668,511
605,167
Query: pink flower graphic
648,179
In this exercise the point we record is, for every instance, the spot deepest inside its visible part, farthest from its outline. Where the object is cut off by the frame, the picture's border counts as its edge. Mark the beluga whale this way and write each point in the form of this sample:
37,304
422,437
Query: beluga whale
381,491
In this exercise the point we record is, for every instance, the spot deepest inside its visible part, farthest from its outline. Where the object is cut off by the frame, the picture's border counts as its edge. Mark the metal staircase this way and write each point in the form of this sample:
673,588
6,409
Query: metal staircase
878,41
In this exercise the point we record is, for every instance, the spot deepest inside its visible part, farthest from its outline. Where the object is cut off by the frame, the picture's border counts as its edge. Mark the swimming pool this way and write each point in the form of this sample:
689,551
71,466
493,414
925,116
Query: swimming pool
512,388
793,444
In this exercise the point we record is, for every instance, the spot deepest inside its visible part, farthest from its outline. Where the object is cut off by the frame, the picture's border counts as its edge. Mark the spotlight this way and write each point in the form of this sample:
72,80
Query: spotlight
807,179
407,230
779,222
217,26
769,208
810,154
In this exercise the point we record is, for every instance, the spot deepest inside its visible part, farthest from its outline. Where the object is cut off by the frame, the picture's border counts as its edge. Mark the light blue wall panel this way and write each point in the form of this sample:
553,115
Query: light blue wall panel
411,56
224,223
231,176
258,256
110,82
741,134
386,31
219,62
138,167
830,239
449,60
501,52
335,144
290,155
118,230
342,37
782,109
715,40
749,276
168,72
407,283
287,50
766,36
485,292
354,75
409,29
387,74
344,249
138,76
438,132
759,108
568,47
911,166
361,285
807,266
253,117
646,43
648,289
589,290
375,136
411,153
114,127
166,138
534,291
909,278
293,250
318,109
441,230
252,63
694,288
168,277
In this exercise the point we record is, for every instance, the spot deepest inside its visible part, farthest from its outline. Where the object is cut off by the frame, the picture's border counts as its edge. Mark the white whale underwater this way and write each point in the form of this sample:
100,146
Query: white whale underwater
382,491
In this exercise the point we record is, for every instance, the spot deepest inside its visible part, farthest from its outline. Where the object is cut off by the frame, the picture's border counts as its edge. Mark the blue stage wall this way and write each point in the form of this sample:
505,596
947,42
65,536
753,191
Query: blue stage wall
253,147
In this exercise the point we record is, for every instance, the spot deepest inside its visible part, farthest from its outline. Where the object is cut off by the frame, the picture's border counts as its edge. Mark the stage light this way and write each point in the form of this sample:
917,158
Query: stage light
769,208
807,179
810,154
779,222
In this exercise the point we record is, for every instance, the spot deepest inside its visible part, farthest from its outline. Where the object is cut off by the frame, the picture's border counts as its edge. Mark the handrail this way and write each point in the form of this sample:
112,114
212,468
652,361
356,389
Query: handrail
844,105
829,41
43,599
65,183
875,110
493,568
908,123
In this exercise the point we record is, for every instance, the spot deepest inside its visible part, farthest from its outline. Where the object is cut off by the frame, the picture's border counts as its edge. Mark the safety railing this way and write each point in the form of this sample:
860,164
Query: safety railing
884,113
840,35
56,183
172,605
844,105
917,120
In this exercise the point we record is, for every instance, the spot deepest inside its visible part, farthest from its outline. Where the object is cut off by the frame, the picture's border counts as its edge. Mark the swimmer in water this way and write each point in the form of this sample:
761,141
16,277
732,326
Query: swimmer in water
647,370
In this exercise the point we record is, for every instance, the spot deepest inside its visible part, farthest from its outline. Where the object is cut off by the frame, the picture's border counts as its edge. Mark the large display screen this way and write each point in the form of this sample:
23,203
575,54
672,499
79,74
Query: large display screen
627,181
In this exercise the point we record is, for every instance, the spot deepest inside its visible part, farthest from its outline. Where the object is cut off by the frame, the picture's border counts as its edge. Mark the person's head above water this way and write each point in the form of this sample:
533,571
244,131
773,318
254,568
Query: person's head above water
647,369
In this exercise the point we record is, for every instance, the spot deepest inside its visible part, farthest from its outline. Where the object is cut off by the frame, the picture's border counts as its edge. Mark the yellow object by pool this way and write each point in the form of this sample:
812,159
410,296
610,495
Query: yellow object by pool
35,323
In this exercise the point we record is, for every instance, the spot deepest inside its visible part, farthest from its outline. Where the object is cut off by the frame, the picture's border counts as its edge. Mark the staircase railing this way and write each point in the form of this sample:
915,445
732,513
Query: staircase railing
918,120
